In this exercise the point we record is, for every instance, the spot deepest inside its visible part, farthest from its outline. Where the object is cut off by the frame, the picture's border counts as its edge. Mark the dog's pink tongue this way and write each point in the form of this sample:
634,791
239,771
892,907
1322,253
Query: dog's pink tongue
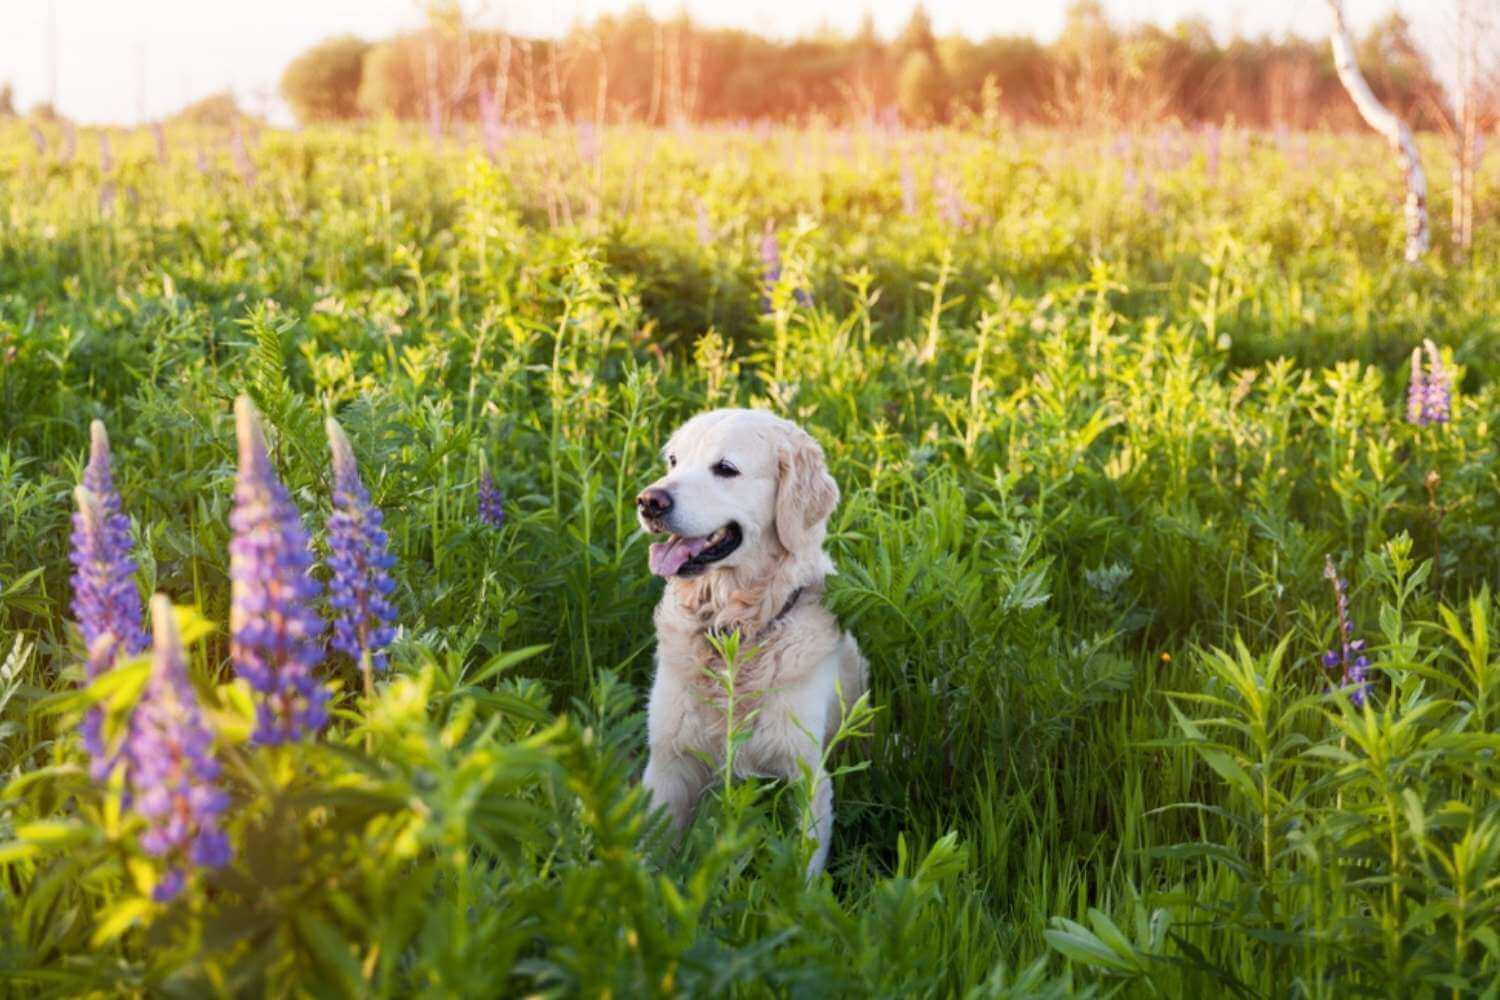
667,557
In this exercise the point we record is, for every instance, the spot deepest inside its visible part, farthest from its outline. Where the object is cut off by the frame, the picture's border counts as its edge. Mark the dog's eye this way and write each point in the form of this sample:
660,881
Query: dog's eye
725,470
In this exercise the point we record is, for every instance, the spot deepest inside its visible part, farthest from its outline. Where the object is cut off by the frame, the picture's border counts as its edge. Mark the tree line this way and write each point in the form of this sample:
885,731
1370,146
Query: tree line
633,67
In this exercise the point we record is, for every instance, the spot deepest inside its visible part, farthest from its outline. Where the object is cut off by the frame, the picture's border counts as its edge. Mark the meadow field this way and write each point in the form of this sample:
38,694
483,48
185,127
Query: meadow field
1104,409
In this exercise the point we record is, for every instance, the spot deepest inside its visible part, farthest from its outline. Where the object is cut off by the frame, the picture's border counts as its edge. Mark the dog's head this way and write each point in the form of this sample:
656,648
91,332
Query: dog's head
743,488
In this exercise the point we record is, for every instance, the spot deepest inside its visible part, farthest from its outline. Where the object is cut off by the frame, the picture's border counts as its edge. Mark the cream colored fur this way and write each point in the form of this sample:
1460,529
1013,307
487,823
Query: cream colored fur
793,670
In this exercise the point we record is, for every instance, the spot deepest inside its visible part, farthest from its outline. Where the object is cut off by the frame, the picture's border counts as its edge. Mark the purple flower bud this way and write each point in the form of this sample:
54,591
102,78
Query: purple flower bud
770,262
358,557
1349,655
173,773
589,145
1416,391
770,256
491,503
950,201
274,629
106,604
1429,394
705,231
491,122
242,161
1437,400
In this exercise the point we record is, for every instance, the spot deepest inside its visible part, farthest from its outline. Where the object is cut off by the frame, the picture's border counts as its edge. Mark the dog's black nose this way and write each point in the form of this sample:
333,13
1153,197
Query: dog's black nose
654,502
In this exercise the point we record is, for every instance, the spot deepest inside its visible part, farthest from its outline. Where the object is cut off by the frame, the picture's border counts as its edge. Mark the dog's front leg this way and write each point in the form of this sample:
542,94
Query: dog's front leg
675,781
820,802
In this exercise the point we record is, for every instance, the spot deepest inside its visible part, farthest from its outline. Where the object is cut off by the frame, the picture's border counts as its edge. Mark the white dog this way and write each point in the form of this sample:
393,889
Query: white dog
745,504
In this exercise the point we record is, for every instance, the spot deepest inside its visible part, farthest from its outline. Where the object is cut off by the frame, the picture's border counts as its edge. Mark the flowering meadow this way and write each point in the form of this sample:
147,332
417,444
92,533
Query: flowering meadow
1170,527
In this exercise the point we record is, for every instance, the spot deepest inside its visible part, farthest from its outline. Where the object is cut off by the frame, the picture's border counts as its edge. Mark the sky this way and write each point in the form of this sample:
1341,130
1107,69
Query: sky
127,61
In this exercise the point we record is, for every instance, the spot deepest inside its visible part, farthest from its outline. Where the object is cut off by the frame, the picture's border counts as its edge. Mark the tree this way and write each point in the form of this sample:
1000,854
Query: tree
921,90
922,83
219,110
1470,104
1396,132
322,84
917,36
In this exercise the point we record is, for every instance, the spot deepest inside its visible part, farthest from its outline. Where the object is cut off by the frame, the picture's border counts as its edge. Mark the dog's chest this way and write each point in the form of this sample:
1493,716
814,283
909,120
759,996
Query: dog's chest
778,660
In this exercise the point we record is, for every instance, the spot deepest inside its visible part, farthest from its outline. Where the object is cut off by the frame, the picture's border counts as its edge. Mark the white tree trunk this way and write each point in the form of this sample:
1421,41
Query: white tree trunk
1384,121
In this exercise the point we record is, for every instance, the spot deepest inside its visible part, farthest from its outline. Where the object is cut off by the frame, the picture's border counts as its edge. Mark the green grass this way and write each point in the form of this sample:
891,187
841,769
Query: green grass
1093,453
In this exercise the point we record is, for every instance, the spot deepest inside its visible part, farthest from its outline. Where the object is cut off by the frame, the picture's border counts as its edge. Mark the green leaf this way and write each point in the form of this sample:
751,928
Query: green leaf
55,833
504,661
118,918
17,850
331,952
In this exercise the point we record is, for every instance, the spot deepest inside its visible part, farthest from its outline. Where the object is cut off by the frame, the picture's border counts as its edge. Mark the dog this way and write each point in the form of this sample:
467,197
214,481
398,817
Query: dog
745,505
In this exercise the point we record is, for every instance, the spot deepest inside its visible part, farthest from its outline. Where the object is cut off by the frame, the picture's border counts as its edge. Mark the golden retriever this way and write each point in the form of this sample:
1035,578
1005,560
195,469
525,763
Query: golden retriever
744,505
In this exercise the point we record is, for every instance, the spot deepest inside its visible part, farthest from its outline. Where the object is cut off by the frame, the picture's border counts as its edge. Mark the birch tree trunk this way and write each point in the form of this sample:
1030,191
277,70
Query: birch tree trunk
1384,121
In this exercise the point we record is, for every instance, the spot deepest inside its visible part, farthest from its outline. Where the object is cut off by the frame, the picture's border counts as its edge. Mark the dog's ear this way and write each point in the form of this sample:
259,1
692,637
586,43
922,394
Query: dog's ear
805,493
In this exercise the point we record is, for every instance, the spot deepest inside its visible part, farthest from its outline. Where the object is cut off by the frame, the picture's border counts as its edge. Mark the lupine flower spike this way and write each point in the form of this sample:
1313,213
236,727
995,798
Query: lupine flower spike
1439,386
491,503
106,604
705,229
1429,396
770,265
1350,654
1416,391
274,629
357,555
173,772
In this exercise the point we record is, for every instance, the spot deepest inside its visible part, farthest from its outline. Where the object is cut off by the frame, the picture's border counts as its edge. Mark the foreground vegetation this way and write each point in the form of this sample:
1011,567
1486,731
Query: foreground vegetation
1102,410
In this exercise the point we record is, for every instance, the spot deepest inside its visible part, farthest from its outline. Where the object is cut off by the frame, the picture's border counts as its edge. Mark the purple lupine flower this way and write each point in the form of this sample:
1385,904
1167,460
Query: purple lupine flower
1429,395
589,144
1416,391
160,134
274,628
70,143
950,201
705,231
770,265
491,123
106,159
1350,654
357,555
1438,405
202,161
173,773
908,189
1212,151
491,503
242,161
39,140
106,604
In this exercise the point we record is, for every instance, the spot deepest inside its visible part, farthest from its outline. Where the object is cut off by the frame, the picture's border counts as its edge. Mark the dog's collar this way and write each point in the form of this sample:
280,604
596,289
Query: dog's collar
786,609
